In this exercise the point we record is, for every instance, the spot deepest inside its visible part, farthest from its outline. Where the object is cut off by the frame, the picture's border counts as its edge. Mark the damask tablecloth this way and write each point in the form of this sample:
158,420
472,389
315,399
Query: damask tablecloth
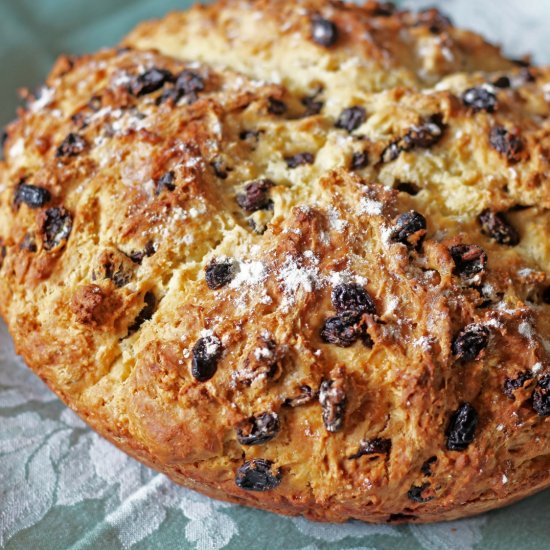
62,486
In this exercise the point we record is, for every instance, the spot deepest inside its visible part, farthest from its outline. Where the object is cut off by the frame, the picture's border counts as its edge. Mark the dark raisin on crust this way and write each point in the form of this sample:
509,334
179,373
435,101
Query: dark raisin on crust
146,312
428,133
390,153
415,493
506,143
256,196
375,447
480,99
409,229
313,105
469,259
28,243
408,187
470,342
276,106
206,353
426,468
31,195
513,384
541,396
546,295
249,135
299,159
257,430
351,297
462,428
71,146
56,227
342,330
384,9
220,168
137,256
150,81
188,83
166,181
332,398
502,82
359,160
351,118
305,396
258,474
496,225
219,273
323,31
434,20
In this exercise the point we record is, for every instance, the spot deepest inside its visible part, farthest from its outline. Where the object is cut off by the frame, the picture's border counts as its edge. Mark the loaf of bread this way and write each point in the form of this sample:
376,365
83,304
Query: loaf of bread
295,255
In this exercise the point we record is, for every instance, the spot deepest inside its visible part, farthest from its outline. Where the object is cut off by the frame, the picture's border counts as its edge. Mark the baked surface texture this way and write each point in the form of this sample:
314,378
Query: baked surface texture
304,269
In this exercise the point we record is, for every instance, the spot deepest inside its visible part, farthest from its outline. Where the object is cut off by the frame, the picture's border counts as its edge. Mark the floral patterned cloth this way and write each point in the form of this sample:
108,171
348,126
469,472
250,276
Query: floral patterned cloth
62,486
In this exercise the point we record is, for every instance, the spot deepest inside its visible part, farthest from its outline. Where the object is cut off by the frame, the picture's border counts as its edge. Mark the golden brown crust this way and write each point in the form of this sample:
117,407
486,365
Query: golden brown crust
353,300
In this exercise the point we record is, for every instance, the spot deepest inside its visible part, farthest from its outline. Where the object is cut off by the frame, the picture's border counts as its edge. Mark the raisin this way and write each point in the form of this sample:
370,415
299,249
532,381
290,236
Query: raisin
374,447
258,474
352,298
28,243
249,135
313,105
206,353
256,196
276,106
71,146
220,168
409,229
541,396
426,468
166,181
384,9
351,118
470,342
434,20
359,160
480,99
425,135
188,83
137,256
150,81
219,273
415,493
391,152
408,187
323,31
299,160
513,384
342,330
305,396
146,312
527,75
31,195
502,82
496,225
462,428
506,143
257,430
546,295
333,402
56,227
469,259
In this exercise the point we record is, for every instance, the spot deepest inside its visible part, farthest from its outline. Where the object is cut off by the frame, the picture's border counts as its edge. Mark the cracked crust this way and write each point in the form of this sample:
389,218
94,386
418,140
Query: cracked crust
158,171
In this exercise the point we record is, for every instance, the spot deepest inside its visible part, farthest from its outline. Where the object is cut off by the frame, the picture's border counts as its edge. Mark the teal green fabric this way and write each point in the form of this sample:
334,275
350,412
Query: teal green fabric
62,486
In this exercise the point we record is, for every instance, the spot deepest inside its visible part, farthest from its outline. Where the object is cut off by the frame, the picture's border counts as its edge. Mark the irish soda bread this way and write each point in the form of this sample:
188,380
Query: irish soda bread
295,255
